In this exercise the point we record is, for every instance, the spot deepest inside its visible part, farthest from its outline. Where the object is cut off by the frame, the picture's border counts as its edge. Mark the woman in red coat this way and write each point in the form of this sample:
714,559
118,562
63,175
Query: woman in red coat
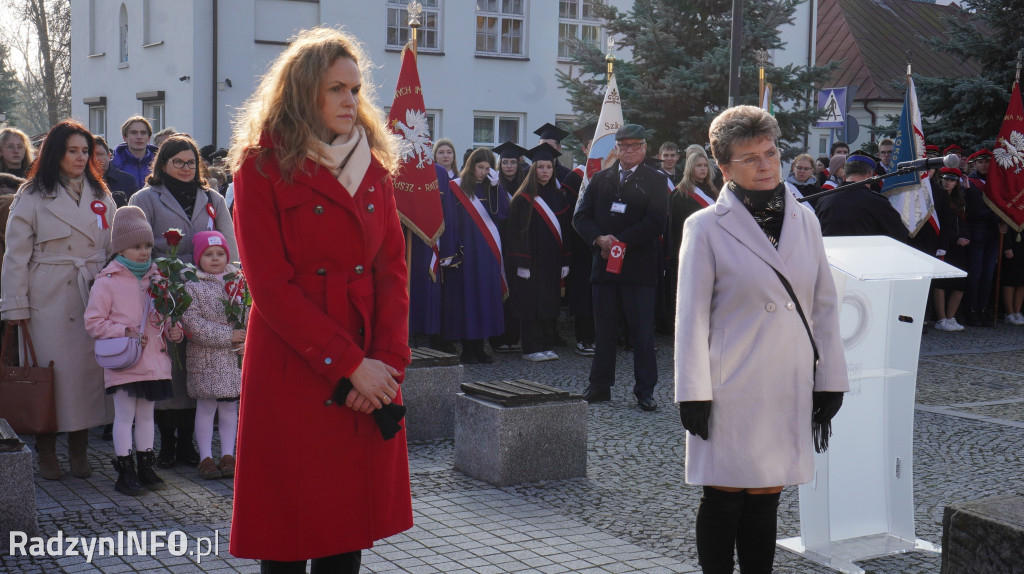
324,255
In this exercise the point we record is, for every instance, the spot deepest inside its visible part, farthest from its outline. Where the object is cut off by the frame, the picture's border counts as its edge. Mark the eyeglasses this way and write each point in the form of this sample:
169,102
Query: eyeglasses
754,160
630,147
178,164
884,152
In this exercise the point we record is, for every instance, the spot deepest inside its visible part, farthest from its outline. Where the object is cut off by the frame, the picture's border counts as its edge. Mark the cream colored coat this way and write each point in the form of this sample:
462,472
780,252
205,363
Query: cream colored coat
740,343
54,249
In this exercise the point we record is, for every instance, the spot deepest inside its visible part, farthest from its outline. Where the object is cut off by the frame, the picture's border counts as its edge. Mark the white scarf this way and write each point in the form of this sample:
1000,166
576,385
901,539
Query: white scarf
348,158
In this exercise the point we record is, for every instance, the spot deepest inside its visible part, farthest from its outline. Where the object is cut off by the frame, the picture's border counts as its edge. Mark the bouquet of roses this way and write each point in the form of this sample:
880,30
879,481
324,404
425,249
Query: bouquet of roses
239,300
170,299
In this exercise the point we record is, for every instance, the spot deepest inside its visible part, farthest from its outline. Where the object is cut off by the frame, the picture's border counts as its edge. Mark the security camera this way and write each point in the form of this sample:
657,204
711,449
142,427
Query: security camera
184,78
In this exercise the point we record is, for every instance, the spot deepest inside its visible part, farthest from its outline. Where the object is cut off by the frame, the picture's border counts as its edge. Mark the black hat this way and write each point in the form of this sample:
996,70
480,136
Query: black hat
206,151
586,133
551,132
631,132
509,150
221,152
543,152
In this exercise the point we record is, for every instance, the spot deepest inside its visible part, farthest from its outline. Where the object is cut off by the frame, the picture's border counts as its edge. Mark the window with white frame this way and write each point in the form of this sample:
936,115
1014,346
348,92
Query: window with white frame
98,120
491,129
153,111
577,19
122,27
501,27
428,37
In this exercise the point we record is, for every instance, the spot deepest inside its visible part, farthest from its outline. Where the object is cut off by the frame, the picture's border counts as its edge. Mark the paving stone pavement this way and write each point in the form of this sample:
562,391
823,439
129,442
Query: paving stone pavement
632,513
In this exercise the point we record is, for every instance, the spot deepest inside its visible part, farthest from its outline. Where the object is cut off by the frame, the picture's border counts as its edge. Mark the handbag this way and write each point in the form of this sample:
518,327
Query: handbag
26,392
121,353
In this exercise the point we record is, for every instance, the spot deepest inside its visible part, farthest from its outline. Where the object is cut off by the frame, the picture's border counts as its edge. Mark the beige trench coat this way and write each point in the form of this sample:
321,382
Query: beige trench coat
740,343
54,249
164,212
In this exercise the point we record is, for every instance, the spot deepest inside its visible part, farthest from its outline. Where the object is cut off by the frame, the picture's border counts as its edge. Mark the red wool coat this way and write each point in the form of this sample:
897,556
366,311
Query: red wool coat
328,279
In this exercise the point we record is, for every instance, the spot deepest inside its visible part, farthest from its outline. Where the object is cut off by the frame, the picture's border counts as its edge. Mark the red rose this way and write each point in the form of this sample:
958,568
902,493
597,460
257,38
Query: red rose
231,288
173,236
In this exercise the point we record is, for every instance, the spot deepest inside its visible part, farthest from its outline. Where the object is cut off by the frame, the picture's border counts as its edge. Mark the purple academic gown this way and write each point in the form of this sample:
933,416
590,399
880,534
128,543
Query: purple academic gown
424,292
472,289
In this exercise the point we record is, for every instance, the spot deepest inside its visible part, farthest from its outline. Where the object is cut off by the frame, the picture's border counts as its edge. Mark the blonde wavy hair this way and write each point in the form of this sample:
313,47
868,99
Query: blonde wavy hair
286,104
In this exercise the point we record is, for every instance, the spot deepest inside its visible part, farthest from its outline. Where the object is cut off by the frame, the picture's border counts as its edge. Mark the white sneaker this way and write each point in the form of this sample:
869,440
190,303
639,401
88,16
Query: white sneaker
1018,319
943,325
953,324
551,355
536,357
1013,319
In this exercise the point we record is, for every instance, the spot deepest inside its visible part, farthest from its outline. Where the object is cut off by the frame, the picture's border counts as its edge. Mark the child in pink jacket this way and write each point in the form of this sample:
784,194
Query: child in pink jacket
118,300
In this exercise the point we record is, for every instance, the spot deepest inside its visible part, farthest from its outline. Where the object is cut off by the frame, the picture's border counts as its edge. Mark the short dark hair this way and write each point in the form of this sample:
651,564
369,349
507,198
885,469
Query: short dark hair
100,141
836,145
858,168
45,171
171,147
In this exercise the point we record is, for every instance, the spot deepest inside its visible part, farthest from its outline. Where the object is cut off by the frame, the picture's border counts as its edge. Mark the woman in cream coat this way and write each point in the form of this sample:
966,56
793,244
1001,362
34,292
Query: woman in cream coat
745,366
58,239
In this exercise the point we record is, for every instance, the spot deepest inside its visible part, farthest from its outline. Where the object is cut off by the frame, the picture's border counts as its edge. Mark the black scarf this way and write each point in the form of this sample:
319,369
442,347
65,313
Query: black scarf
183,191
767,207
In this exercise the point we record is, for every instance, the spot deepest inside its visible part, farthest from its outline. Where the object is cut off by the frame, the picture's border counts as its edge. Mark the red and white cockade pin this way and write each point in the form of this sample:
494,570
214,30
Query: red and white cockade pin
100,209
213,215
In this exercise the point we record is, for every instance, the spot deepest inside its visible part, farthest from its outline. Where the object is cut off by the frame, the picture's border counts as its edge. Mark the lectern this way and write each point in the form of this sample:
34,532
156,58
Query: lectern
860,504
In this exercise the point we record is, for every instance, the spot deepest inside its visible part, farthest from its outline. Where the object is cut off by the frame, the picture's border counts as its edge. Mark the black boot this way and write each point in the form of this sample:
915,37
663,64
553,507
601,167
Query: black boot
127,478
168,443
469,356
347,563
147,476
186,451
755,537
717,520
439,344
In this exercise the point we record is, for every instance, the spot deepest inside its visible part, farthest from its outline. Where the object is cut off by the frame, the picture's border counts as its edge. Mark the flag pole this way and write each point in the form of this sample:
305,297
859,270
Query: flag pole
414,9
761,56
611,59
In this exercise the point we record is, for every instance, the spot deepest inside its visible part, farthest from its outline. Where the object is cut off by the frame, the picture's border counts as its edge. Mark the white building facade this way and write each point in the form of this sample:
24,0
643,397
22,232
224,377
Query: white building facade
487,67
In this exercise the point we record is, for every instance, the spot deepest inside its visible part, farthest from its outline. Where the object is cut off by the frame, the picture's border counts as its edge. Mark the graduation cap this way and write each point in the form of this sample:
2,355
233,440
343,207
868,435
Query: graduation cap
586,133
509,150
551,132
543,152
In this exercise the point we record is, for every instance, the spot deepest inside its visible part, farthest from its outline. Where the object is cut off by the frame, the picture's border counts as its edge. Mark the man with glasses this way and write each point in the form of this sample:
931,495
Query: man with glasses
885,153
135,155
623,212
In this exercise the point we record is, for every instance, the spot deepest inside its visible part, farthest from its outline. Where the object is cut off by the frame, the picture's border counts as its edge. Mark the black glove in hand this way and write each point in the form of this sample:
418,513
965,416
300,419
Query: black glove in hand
825,405
387,416
694,416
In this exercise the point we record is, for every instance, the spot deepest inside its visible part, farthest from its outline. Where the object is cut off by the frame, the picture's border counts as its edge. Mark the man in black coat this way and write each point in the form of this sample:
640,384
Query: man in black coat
121,184
858,210
626,203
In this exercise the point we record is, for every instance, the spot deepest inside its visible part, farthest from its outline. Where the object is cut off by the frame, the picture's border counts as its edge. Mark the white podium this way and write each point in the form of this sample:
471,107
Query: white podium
860,504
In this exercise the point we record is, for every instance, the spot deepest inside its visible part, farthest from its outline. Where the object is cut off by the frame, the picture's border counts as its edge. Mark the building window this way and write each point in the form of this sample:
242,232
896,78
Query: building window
492,129
428,38
123,38
154,112
500,27
577,19
98,120
823,145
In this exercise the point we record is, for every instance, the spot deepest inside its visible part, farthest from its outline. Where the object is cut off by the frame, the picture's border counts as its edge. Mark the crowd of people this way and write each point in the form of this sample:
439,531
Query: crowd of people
652,242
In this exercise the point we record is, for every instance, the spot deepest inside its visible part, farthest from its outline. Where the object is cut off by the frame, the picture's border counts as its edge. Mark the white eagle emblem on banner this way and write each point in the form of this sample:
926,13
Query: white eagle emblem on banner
415,138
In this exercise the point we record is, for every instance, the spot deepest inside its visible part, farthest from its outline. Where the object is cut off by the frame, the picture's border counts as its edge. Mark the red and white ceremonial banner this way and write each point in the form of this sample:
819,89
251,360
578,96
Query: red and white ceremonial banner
417,193
608,123
1004,191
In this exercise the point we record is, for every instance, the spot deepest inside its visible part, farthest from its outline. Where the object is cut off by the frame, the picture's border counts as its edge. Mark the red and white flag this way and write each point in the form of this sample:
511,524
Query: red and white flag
608,123
417,193
1004,191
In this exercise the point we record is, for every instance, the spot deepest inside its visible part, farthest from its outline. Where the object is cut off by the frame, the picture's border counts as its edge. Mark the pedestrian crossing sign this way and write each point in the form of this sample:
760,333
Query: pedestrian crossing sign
832,102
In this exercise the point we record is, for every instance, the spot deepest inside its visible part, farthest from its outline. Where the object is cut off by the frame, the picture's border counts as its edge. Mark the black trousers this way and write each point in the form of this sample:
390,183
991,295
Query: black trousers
347,563
637,305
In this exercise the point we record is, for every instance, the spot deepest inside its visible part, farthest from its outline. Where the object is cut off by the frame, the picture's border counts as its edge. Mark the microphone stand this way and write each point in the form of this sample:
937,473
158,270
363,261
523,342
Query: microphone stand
866,182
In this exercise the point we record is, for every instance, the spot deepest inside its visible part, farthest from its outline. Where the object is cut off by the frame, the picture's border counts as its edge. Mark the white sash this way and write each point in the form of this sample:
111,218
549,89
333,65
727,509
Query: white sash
702,197
549,216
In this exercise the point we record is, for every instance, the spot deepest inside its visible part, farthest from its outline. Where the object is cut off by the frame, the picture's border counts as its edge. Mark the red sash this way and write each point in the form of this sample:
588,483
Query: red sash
541,207
700,197
487,229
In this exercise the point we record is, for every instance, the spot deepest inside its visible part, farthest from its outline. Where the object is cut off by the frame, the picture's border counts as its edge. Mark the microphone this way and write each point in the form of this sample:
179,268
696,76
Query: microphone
923,164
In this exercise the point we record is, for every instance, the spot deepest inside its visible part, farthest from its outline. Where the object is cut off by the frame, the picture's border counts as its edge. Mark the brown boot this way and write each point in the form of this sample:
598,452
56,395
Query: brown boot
78,442
46,447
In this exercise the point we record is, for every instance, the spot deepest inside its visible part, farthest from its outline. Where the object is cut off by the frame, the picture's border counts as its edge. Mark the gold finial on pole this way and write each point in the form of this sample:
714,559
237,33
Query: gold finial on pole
414,9
909,60
609,57
762,58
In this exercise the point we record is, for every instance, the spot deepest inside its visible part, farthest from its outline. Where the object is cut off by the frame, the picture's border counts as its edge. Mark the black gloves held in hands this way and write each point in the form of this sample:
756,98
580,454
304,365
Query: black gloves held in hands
694,416
387,416
825,405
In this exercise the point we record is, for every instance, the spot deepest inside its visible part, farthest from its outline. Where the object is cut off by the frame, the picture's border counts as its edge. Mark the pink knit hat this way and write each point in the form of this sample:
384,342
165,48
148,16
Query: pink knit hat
204,240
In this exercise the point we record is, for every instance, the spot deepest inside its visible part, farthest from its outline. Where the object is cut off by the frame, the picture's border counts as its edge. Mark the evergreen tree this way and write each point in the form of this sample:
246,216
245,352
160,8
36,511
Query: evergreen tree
8,86
969,110
678,78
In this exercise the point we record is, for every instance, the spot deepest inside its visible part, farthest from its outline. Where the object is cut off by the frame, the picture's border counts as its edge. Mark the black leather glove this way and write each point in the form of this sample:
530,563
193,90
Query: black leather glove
694,416
825,405
387,416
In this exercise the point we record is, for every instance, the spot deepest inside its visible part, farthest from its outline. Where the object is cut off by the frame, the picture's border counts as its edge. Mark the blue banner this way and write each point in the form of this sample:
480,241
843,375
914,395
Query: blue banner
904,149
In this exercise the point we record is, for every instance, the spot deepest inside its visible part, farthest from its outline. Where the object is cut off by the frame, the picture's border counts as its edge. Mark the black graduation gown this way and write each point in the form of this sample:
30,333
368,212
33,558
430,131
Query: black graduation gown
532,244
577,285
